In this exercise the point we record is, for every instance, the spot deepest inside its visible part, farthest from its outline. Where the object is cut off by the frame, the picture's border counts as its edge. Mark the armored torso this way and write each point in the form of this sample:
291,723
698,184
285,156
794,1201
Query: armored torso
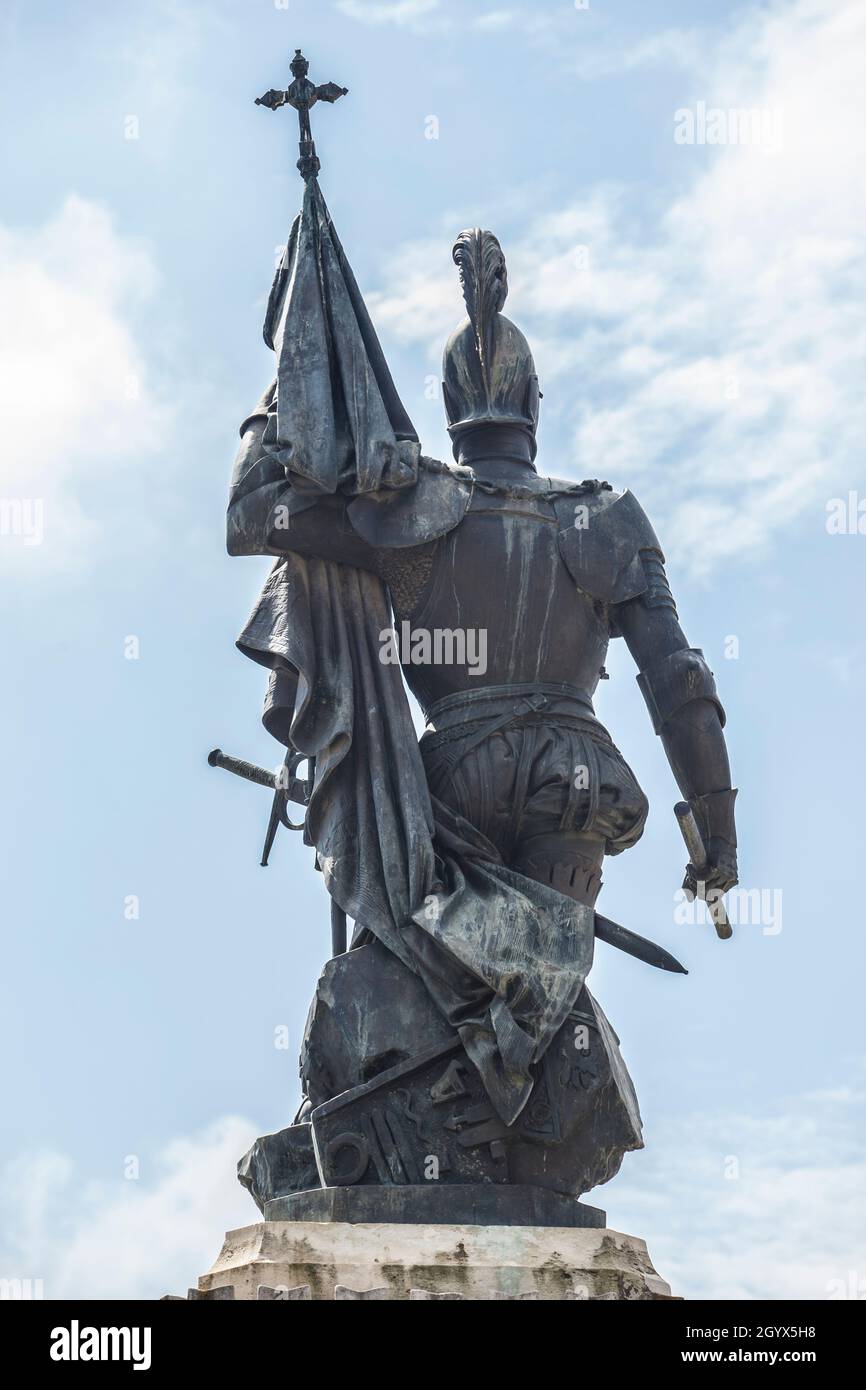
525,579
499,581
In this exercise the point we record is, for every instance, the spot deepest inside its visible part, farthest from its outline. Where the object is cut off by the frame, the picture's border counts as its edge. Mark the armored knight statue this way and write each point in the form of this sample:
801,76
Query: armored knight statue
455,1065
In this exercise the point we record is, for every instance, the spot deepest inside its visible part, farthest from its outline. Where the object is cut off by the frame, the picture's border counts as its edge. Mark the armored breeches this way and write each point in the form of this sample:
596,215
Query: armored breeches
549,791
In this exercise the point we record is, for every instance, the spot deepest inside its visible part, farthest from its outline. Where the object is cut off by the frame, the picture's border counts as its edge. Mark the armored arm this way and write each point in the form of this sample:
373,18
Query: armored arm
267,515
680,693
321,529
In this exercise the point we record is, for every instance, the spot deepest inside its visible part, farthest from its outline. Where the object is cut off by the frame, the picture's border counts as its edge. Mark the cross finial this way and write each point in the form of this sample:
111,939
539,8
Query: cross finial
302,94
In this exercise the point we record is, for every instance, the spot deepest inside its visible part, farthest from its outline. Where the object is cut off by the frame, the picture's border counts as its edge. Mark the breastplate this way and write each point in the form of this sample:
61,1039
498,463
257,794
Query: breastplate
499,579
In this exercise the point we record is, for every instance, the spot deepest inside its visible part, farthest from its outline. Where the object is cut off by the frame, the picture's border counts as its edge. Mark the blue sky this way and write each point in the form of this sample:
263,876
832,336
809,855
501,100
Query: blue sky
696,311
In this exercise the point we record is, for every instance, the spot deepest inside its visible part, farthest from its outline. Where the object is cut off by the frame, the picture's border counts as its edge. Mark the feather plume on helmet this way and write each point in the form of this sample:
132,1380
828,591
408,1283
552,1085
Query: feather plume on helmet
489,376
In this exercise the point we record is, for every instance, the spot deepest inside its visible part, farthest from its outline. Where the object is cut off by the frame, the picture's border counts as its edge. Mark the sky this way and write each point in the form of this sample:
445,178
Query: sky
678,190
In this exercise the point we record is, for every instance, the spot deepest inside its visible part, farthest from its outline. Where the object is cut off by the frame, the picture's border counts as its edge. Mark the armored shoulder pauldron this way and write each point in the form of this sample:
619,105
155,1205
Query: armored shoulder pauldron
431,508
603,536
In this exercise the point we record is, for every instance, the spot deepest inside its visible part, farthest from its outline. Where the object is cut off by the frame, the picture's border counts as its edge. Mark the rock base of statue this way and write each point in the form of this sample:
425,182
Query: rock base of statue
440,1204
393,1102
306,1260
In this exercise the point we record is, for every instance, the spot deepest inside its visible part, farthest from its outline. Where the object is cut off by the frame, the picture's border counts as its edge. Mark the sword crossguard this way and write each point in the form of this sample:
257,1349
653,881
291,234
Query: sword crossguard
284,784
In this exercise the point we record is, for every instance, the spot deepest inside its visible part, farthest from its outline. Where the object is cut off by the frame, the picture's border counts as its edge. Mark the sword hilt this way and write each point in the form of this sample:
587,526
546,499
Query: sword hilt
240,768
698,860
295,789
284,784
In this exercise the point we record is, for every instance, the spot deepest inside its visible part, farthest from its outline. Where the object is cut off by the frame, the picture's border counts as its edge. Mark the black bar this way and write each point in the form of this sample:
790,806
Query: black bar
213,1336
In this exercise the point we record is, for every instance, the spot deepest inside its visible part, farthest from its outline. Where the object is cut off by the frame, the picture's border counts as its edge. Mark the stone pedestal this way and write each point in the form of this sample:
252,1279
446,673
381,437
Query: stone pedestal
304,1260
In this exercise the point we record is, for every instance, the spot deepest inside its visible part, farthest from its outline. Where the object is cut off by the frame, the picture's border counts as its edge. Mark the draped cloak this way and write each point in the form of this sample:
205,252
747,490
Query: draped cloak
503,957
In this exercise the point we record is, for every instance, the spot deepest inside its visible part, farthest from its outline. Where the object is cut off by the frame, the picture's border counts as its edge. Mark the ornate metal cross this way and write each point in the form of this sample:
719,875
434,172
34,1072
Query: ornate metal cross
302,94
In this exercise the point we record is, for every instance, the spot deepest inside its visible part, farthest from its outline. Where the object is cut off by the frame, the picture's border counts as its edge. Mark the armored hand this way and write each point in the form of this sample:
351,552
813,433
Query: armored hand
714,815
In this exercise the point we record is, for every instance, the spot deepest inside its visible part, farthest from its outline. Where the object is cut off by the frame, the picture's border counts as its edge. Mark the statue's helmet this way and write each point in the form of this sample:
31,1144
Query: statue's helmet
489,376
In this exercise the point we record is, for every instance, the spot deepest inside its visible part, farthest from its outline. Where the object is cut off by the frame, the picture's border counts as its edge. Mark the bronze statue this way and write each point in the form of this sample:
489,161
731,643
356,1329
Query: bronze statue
455,1065
302,94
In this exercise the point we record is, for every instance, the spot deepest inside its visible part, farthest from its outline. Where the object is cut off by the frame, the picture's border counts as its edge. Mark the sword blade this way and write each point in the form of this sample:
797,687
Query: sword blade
637,946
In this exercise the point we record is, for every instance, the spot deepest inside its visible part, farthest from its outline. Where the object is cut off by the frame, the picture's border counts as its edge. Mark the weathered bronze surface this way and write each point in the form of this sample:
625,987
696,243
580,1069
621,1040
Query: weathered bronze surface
303,94
456,1042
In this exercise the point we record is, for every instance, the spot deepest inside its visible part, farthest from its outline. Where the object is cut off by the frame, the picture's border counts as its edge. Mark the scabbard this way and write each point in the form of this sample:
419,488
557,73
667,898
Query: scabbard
638,946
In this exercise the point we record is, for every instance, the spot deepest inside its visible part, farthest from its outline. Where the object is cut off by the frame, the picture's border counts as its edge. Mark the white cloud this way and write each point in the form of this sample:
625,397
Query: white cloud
748,1207
497,19
608,56
772,1230
399,12
424,15
75,397
159,54
583,42
126,1239
713,360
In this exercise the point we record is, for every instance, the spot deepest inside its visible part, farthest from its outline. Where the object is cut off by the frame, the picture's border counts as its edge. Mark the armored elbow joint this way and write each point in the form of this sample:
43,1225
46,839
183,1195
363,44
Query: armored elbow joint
674,681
